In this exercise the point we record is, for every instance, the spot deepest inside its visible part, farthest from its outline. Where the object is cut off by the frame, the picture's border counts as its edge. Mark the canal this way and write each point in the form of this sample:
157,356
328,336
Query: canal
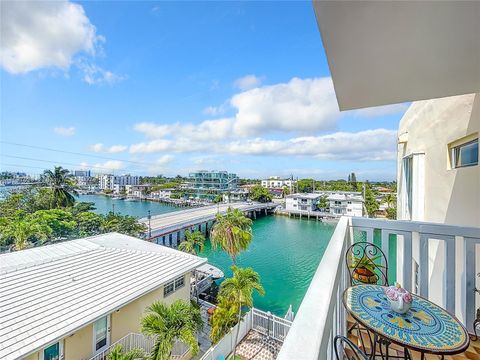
284,251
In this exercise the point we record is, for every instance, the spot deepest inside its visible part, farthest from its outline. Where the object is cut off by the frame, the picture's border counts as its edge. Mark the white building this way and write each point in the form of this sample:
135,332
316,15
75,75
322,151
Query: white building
345,203
275,182
109,182
302,202
162,193
438,171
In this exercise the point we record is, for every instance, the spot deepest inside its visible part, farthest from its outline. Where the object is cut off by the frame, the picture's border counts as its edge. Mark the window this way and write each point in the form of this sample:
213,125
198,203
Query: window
464,154
179,282
52,352
100,334
173,285
407,170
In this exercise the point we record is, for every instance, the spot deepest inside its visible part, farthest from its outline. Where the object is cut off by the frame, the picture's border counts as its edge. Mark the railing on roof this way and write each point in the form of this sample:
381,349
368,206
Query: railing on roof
145,344
435,246
261,321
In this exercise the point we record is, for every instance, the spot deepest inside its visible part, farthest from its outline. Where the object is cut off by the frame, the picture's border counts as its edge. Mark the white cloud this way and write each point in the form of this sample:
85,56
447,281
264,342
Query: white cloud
51,34
64,131
160,164
95,75
301,105
112,149
247,82
110,165
40,34
377,144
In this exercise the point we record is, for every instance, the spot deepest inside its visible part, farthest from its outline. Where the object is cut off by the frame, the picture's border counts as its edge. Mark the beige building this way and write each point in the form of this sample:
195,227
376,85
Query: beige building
438,171
74,299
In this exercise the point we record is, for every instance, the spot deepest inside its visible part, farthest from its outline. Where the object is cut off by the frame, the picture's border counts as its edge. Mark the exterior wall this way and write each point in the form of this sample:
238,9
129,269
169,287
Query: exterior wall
301,203
450,196
127,319
80,344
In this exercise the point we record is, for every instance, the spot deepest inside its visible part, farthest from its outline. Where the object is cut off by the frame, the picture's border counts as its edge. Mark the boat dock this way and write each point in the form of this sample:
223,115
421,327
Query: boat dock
169,229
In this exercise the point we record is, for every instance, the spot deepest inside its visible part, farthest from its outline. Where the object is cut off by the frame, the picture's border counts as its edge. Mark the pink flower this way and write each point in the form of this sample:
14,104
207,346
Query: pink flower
407,298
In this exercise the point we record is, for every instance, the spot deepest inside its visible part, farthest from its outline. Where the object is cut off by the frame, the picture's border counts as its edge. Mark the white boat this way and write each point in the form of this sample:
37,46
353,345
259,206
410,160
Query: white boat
211,270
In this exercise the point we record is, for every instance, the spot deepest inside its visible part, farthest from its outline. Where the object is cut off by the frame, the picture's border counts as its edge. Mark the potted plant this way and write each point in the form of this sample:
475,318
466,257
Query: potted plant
364,269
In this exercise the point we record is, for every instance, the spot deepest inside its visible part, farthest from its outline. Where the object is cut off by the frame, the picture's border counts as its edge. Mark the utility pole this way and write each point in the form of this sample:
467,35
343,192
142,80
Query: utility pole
113,209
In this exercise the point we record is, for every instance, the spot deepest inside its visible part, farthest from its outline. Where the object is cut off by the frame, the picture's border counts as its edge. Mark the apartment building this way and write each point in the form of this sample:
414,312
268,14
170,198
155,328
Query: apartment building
205,183
275,182
117,183
302,202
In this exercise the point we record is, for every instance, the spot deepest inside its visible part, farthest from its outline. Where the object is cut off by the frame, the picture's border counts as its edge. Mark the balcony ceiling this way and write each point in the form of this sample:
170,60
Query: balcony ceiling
390,52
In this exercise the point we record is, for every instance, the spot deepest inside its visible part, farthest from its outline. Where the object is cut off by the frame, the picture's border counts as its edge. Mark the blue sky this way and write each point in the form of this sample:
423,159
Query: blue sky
168,88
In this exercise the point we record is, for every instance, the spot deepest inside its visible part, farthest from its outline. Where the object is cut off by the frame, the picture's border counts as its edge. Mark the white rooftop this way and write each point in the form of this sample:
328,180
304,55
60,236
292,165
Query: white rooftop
304,196
52,291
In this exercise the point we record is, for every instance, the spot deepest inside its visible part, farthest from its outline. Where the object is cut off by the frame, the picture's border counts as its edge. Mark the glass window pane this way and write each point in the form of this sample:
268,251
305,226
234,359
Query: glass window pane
52,352
469,154
101,333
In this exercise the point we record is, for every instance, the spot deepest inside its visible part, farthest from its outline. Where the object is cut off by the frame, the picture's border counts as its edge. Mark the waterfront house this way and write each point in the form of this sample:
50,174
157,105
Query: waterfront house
75,299
344,202
302,202
162,193
275,182
382,53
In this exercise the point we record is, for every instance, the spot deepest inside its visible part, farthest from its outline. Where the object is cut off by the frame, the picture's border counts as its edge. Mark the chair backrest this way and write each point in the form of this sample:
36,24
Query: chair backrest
347,350
366,264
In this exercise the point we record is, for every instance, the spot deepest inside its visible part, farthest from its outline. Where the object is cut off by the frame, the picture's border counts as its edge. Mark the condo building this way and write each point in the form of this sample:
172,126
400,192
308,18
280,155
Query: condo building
204,184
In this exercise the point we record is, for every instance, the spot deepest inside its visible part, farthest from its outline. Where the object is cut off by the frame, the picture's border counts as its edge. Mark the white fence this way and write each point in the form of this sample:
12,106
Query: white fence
255,319
436,261
141,342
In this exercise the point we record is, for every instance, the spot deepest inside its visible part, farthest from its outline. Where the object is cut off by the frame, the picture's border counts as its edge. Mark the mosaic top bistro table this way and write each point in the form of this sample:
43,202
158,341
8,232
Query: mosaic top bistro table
426,327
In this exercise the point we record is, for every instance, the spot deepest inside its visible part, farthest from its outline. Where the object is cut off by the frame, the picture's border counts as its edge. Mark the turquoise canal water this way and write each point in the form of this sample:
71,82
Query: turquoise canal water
284,251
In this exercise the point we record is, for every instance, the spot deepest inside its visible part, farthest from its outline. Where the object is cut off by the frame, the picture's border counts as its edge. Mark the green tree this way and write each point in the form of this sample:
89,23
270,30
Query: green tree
223,319
392,213
169,323
260,194
390,200
238,290
192,241
218,199
117,353
61,222
124,224
89,224
232,232
323,203
63,186
371,203
24,232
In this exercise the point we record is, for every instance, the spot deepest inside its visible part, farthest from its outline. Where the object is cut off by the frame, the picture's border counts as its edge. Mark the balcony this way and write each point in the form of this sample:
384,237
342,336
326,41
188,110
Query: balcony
438,262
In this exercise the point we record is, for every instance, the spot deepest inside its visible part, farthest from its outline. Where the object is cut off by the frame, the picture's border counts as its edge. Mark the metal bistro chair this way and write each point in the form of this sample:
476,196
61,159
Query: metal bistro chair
366,264
347,349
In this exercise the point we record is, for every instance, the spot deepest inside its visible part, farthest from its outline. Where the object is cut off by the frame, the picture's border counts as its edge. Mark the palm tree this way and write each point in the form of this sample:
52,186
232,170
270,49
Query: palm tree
238,290
23,230
389,199
169,323
232,232
118,354
192,240
62,186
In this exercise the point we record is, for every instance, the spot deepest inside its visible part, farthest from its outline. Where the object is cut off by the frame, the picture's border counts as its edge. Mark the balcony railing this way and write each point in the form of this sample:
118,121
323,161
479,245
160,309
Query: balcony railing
143,343
435,261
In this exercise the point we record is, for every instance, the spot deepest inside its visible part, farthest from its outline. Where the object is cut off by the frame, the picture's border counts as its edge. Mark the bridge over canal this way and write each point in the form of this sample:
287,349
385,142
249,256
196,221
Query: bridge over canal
169,229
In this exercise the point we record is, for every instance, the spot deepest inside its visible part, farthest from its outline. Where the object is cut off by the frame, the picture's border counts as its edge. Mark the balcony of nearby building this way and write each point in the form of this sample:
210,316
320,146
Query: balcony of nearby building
438,263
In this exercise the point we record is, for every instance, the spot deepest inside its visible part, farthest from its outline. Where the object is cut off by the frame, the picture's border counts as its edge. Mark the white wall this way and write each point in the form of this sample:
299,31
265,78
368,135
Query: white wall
451,196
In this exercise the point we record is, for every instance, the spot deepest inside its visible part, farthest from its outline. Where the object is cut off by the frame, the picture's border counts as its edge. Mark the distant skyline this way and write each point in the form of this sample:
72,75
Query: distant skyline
168,88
